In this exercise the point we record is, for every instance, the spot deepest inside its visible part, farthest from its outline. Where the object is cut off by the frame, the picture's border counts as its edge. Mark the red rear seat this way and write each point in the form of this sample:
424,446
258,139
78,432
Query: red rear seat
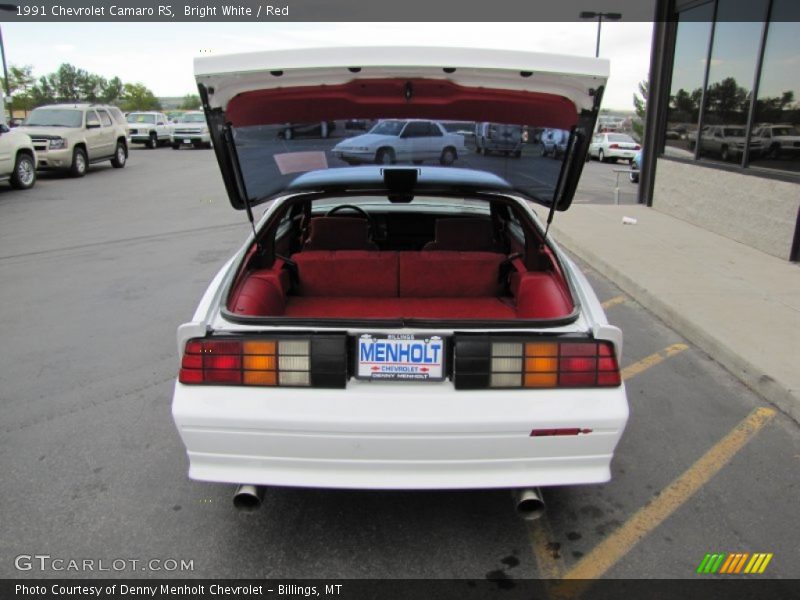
450,274
347,273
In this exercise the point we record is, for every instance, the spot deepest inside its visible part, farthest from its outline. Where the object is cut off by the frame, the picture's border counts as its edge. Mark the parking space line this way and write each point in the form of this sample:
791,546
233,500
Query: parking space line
650,361
613,302
606,554
541,538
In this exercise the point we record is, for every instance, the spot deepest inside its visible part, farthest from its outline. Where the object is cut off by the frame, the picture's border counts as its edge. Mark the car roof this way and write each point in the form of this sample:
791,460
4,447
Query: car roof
73,105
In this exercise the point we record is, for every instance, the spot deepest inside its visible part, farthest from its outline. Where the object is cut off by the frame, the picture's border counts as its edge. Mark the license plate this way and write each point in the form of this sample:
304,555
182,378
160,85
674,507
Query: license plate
405,357
187,141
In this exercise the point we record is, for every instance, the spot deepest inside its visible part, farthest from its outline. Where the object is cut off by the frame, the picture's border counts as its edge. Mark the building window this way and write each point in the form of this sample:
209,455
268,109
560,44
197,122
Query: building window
731,72
688,72
777,111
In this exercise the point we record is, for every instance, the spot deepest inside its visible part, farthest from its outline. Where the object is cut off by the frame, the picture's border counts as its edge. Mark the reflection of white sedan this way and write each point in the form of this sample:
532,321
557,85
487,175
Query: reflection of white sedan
394,141
612,146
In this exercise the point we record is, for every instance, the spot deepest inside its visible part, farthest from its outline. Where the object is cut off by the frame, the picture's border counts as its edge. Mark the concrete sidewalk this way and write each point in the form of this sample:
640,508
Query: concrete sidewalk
738,304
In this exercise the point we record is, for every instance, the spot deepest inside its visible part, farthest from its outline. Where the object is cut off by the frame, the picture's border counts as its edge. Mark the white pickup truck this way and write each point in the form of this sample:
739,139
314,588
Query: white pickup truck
149,128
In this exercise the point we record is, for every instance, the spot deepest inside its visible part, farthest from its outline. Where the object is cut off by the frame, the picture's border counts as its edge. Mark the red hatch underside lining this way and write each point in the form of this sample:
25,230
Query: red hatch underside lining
386,98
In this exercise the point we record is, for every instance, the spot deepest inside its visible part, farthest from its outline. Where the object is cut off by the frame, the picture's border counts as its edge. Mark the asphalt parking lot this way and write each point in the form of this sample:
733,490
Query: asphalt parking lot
97,274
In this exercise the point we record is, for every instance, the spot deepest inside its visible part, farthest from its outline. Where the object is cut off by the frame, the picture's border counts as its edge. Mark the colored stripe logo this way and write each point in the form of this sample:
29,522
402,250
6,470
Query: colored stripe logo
737,563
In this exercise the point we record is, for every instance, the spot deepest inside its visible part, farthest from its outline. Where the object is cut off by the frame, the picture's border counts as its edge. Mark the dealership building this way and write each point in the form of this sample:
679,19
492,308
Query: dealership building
722,141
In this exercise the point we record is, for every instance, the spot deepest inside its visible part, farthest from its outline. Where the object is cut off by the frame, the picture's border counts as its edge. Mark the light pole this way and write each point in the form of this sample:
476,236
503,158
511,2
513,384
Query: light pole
610,16
11,8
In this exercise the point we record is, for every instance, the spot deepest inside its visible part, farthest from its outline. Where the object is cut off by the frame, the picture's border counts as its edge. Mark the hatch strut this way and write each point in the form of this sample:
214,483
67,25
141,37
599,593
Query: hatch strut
579,133
569,155
227,136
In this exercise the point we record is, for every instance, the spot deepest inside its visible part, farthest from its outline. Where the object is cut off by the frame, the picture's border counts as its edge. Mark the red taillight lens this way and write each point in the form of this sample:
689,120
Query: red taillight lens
614,146
553,364
637,147
246,362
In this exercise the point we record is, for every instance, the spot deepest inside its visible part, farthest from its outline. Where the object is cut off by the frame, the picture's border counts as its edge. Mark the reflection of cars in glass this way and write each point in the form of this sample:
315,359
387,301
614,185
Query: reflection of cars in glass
72,136
498,137
678,132
190,129
636,166
149,128
393,327
779,140
17,158
321,129
726,141
554,142
613,146
357,124
395,140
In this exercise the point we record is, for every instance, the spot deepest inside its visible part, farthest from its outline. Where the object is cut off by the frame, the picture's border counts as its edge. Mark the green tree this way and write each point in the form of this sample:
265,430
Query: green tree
136,96
20,82
66,83
726,102
111,91
685,107
42,92
190,102
640,105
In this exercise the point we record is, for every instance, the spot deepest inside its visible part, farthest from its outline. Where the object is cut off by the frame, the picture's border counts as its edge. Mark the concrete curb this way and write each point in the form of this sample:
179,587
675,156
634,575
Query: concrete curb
771,390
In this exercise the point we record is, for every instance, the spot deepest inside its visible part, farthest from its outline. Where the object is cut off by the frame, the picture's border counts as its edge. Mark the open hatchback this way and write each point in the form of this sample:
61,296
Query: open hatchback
399,317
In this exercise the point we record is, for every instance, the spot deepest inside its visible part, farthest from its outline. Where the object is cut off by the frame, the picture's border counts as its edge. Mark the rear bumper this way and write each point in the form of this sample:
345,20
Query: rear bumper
397,436
626,154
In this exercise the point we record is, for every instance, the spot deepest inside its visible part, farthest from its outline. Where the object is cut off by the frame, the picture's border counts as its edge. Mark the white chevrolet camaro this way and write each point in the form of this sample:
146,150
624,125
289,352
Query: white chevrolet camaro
398,326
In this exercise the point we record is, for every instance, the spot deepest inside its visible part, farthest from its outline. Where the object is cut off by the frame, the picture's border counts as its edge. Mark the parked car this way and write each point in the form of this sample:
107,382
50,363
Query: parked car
397,327
402,140
357,124
320,129
149,128
606,147
190,129
554,142
498,137
678,132
17,159
779,140
636,166
726,141
70,137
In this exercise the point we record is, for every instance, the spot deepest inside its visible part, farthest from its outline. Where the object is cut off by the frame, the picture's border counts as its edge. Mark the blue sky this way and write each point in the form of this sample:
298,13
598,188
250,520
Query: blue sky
160,54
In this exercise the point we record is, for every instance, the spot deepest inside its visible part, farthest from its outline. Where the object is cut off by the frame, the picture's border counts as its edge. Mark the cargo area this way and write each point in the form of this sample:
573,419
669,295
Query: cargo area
464,272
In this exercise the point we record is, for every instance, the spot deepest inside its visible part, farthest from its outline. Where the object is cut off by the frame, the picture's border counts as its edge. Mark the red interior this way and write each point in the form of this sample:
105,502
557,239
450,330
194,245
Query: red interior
386,98
361,284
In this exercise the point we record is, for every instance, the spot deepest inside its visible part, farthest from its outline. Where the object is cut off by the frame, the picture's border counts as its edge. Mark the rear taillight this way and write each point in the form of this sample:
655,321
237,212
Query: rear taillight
319,361
614,146
546,363
637,147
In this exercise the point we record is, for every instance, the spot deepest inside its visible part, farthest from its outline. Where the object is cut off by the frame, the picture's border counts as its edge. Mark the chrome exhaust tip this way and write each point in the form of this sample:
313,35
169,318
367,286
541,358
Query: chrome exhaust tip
248,498
529,503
